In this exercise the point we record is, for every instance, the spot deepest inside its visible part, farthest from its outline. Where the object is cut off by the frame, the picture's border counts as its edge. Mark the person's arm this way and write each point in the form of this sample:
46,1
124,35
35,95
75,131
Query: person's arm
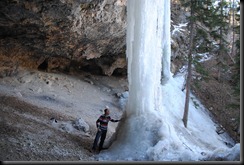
98,121
114,120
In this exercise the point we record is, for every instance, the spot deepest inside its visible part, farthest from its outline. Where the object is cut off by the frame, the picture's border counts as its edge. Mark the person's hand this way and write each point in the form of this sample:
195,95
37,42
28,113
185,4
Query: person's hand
121,119
98,129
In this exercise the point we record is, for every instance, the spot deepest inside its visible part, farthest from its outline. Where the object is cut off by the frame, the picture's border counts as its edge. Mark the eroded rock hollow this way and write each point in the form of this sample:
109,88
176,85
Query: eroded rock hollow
61,35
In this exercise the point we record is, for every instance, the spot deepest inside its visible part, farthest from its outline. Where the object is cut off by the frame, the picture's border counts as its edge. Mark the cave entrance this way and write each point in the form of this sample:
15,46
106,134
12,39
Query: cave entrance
43,66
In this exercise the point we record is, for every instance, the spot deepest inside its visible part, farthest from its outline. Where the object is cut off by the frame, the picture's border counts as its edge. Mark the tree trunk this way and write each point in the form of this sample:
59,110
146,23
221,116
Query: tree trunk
188,81
220,53
233,39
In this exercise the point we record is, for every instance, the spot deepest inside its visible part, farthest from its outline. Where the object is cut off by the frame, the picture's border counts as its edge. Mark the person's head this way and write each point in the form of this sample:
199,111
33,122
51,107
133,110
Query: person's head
106,111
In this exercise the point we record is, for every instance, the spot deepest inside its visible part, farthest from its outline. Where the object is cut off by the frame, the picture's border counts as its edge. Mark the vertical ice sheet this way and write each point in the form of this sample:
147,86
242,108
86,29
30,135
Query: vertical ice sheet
166,41
145,32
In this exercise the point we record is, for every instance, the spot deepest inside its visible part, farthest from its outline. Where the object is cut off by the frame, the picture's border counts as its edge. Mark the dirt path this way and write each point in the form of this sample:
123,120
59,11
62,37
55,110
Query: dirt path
26,129
27,133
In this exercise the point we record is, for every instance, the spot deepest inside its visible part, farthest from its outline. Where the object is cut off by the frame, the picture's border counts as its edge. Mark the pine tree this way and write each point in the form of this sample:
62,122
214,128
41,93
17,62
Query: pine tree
236,69
189,70
213,29
211,23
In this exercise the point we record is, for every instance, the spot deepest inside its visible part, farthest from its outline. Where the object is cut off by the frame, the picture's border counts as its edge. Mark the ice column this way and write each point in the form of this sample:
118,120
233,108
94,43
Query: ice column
148,38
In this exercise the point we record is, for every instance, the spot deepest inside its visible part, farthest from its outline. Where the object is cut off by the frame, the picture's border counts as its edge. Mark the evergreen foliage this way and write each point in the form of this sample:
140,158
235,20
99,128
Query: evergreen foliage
217,27
236,70
212,25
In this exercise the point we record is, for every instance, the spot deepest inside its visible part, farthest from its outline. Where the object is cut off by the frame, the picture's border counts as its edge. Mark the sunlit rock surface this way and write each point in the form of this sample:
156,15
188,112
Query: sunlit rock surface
52,35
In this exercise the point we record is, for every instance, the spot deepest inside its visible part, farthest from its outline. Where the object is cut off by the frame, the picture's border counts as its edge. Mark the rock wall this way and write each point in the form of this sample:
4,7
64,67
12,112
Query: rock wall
60,34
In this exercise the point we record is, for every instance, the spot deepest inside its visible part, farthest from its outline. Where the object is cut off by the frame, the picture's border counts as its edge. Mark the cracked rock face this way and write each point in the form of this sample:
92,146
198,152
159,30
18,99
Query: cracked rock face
63,34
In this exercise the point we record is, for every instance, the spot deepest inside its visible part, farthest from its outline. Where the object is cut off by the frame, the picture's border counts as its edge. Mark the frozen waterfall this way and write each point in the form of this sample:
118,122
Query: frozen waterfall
153,129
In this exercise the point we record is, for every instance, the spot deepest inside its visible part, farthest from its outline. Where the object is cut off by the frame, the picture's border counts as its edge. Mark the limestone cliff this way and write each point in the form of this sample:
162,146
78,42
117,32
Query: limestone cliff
57,34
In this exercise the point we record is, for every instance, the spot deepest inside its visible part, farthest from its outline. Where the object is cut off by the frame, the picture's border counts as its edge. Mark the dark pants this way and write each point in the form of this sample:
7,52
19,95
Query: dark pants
99,134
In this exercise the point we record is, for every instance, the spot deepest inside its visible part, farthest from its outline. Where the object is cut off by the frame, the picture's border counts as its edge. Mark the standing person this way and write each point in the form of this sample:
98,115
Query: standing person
102,126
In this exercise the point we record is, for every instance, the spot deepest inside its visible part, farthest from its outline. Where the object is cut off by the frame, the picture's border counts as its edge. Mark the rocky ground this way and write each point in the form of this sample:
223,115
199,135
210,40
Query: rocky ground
51,116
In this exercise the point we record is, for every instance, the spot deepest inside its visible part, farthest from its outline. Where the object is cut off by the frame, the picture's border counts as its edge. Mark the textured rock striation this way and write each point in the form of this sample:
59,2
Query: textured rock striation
63,34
